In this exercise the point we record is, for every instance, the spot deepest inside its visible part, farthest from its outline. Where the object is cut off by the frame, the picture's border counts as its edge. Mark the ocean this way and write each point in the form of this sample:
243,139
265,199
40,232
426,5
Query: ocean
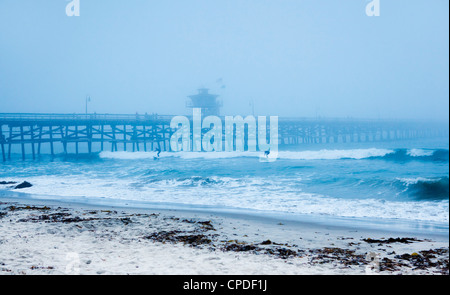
402,185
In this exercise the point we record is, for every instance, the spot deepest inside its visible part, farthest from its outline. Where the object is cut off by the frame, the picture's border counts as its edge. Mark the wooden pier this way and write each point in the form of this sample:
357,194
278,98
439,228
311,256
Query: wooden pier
142,132
298,131
30,132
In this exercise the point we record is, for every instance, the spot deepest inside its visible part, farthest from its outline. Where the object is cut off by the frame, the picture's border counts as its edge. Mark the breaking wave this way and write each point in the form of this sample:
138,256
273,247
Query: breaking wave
402,155
426,189
325,154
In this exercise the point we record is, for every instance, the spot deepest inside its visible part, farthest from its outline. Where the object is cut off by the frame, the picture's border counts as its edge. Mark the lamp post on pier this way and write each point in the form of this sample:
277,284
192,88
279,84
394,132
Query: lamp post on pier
88,99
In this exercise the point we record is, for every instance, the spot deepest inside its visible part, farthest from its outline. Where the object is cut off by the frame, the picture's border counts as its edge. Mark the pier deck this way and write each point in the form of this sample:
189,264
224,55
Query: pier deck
148,132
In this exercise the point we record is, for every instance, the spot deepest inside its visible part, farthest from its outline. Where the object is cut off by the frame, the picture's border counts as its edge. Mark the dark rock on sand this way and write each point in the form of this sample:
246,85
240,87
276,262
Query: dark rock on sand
427,258
392,240
17,208
194,240
346,257
175,237
241,248
126,220
206,225
282,252
24,184
8,182
267,242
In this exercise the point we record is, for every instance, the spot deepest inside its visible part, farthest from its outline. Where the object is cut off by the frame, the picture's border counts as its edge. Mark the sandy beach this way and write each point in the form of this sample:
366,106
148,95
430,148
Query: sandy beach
48,237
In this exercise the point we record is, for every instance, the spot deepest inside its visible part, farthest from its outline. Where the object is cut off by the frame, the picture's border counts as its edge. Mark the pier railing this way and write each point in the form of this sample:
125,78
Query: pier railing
69,117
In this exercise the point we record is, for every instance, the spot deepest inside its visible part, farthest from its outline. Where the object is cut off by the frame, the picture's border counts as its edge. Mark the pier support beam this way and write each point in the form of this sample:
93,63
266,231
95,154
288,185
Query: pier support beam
32,142
125,138
76,136
3,152
2,142
22,143
101,138
51,140
89,137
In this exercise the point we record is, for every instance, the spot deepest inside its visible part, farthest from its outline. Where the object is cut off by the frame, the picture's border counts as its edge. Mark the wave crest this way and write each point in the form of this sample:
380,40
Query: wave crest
403,155
324,154
426,188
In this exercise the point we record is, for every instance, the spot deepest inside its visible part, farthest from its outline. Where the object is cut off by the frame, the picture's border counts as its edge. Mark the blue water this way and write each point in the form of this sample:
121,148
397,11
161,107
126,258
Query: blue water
388,183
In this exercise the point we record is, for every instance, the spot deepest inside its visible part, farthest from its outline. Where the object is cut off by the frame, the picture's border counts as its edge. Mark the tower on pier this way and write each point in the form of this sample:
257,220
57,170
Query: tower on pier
209,103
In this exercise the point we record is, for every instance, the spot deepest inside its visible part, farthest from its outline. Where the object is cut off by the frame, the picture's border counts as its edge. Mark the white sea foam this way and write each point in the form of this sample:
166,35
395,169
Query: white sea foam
291,155
335,154
229,184
420,153
415,180
226,192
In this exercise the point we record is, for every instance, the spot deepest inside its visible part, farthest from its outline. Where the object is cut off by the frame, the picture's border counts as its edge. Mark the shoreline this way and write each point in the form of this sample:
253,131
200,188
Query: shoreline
383,226
38,235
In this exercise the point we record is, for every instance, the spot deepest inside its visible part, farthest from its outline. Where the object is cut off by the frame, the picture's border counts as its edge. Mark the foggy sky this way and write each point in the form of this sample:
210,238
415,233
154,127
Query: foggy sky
290,57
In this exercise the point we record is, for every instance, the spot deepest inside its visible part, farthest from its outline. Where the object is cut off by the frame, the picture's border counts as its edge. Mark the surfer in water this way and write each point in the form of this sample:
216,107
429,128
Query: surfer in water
158,151
266,153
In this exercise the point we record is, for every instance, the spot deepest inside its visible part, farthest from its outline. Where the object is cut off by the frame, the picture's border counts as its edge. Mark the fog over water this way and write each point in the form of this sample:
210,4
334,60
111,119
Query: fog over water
290,58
